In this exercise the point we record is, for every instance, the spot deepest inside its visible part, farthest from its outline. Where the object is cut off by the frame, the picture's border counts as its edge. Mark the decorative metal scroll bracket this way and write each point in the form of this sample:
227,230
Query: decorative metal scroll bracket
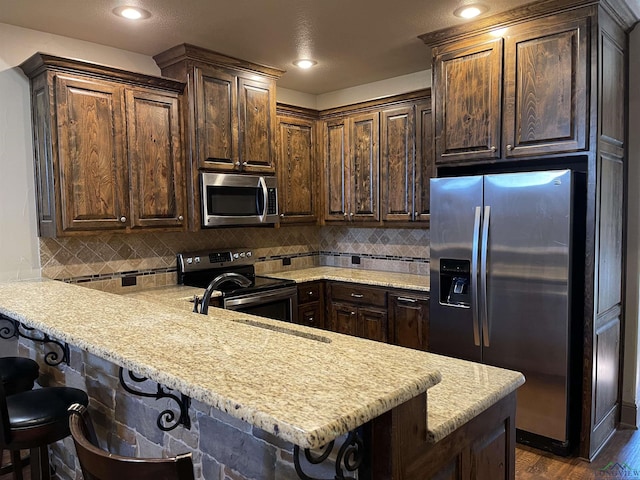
167,420
349,458
16,329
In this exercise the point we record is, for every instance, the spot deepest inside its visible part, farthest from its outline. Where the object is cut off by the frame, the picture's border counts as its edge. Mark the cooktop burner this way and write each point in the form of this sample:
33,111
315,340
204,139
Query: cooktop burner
198,269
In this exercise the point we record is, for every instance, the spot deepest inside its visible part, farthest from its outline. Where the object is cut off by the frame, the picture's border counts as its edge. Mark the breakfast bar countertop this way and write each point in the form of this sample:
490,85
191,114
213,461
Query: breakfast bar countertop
303,385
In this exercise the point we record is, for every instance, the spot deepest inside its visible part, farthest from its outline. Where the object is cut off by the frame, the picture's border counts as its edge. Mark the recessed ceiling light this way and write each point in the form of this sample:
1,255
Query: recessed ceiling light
470,11
304,63
131,13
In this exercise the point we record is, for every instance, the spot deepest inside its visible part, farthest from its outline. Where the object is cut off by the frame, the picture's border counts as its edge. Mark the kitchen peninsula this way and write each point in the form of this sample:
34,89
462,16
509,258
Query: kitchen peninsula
259,386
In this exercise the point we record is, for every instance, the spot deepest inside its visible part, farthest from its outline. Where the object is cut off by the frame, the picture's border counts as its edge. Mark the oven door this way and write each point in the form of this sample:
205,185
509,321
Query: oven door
279,304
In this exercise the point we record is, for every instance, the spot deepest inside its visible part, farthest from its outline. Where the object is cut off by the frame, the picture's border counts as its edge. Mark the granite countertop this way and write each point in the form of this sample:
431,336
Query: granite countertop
466,389
355,275
237,363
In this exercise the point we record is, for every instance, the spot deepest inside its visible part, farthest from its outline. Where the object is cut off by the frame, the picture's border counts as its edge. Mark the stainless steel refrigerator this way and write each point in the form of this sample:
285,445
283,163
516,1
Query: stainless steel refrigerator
501,261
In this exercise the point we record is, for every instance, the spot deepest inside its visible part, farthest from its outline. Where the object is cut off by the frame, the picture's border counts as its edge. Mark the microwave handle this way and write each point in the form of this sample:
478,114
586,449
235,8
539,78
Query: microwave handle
265,193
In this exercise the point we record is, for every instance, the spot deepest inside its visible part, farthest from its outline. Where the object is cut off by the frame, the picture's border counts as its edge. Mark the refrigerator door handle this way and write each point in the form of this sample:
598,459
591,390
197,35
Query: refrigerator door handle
483,275
474,276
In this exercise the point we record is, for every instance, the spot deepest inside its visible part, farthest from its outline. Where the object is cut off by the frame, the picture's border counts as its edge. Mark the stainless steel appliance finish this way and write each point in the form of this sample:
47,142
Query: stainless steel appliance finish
232,273
500,281
234,199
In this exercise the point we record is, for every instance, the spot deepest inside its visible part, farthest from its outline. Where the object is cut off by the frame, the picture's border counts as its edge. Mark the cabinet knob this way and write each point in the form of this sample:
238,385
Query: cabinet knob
180,217
416,214
245,164
346,214
311,319
493,148
282,215
310,294
509,147
353,313
123,219
237,164
351,214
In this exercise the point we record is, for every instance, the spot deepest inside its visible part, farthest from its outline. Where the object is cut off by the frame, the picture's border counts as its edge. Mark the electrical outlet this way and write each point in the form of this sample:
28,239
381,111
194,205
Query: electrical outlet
129,281
286,261
355,260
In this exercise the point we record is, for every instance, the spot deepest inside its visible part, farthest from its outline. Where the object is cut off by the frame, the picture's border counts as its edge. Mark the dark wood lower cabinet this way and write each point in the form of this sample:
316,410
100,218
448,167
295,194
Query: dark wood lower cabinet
343,318
364,322
409,320
311,304
481,449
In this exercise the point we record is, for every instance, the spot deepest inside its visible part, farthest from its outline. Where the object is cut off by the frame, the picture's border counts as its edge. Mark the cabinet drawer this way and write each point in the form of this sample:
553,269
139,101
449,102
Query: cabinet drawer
362,295
309,292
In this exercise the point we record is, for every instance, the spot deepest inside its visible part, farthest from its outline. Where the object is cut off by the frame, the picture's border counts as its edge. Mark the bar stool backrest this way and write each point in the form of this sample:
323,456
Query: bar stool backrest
98,464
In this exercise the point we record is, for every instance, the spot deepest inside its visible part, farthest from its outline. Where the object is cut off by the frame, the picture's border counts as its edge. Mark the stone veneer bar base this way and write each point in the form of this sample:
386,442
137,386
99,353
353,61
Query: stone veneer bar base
221,445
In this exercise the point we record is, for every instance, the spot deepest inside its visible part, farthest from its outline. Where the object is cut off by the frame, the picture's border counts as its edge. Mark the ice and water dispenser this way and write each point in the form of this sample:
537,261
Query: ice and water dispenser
455,281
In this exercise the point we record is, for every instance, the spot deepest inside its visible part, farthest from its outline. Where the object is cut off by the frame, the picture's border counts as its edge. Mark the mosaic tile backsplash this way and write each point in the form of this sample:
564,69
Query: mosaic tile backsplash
103,260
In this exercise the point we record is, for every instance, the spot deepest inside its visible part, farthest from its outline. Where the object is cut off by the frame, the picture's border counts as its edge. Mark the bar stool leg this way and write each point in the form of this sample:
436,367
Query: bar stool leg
17,464
40,469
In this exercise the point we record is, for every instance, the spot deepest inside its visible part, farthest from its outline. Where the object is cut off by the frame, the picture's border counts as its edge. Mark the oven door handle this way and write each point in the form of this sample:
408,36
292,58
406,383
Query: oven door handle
234,303
265,199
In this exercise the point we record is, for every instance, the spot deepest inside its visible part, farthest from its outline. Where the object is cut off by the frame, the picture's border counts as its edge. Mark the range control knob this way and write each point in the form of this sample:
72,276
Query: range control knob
242,254
196,259
248,253
236,255
189,260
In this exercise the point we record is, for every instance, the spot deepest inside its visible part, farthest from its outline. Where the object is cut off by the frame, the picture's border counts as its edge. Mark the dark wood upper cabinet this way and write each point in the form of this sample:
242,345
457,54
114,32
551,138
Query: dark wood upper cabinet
297,170
522,94
398,166
216,131
352,163
154,159
467,82
546,88
425,160
230,116
107,148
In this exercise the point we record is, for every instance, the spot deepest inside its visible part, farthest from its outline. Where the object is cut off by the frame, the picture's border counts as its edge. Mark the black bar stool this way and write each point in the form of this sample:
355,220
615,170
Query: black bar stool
32,420
98,464
18,374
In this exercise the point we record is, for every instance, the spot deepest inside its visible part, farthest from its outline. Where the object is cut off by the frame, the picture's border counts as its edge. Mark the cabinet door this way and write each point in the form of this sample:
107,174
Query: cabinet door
373,323
398,163
155,165
365,167
425,161
91,153
216,132
343,318
256,122
409,321
296,170
311,315
336,170
467,88
546,94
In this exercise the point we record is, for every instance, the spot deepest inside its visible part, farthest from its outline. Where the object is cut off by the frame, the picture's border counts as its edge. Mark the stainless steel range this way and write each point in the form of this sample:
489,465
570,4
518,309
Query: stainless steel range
232,272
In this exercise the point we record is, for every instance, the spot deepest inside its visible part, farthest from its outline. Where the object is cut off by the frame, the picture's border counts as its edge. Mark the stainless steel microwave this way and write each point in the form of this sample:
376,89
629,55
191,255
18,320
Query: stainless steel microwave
235,199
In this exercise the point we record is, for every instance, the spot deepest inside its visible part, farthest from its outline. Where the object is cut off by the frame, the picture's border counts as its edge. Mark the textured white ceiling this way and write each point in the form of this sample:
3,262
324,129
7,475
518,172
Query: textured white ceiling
354,41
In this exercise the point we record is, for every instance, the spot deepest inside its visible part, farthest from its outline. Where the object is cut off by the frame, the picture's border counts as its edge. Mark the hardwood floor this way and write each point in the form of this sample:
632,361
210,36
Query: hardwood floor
619,460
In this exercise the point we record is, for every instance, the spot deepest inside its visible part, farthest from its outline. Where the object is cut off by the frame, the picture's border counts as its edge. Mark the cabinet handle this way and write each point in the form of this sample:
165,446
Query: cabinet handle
407,300
123,219
509,147
357,295
180,217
